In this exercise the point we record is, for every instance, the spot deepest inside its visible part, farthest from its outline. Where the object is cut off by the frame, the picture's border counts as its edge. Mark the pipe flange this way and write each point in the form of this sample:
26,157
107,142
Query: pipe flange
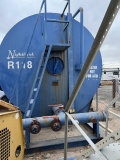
56,125
35,127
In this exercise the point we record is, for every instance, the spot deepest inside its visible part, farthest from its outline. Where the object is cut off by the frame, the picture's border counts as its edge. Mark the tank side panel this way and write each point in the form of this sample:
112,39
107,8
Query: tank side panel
19,57
93,77
17,83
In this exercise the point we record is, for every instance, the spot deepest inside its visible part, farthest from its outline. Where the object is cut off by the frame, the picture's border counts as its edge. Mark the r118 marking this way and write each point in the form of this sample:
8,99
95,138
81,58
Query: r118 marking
18,65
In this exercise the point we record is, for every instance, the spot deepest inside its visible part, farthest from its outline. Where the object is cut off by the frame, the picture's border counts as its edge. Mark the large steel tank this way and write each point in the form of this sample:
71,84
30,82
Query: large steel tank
20,53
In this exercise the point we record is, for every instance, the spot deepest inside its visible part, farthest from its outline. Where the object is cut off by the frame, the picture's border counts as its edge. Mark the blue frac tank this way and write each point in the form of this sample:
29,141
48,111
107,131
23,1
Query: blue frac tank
20,54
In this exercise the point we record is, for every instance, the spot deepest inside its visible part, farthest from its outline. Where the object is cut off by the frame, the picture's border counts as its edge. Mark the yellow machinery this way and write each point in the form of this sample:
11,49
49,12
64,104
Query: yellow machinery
11,133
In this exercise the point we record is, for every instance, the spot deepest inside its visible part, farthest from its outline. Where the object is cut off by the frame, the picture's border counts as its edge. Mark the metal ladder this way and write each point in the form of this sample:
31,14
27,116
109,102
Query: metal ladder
61,20
37,81
41,69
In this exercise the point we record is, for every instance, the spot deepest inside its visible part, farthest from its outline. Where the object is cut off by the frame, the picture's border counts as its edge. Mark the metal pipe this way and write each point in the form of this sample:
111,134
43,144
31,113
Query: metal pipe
102,32
58,109
114,114
110,71
97,101
103,127
41,6
80,10
66,142
45,24
115,89
69,27
106,128
81,117
68,6
27,135
76,13
81,39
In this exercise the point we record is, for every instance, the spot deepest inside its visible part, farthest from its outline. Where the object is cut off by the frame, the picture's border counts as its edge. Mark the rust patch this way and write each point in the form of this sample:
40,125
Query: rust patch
55,83
93,119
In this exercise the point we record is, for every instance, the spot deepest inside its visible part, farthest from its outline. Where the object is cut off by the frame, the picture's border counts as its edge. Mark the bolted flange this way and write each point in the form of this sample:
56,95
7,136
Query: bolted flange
56,125
35,127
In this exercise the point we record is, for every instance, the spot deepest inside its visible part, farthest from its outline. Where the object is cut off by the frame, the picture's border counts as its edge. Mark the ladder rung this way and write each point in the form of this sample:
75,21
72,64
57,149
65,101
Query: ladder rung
28,113
35,89
57,20
31,101
65,27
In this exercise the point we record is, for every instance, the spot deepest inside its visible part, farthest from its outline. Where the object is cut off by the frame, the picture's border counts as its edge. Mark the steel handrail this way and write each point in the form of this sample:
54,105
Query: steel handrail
80,10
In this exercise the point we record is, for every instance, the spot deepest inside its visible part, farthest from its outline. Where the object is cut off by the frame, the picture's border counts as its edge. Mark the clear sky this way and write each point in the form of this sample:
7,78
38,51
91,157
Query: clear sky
12,11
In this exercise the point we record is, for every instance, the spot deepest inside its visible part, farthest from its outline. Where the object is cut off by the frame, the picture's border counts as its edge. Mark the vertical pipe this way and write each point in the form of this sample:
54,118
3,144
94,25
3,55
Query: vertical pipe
69,38
66,131
118,73
41,6
96,129
106,129
69,7
81,38
97,101
80,10
45,21
64,9
27,135
115,89
117,86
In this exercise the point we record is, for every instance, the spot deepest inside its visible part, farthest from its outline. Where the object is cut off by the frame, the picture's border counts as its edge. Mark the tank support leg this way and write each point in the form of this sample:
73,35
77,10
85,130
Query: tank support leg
96,129
27,135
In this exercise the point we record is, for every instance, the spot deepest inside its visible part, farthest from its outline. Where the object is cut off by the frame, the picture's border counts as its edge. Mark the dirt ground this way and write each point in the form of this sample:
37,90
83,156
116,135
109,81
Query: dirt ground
47,134
104,97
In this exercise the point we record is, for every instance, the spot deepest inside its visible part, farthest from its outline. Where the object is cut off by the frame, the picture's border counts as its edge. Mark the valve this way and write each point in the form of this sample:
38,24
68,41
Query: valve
35,127
56,125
